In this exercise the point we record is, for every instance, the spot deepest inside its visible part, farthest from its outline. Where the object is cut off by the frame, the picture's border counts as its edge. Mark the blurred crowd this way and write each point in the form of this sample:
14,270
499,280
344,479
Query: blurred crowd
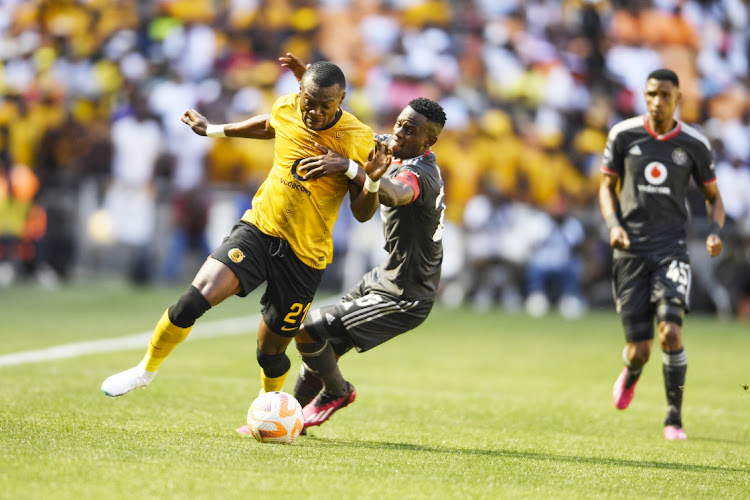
98,175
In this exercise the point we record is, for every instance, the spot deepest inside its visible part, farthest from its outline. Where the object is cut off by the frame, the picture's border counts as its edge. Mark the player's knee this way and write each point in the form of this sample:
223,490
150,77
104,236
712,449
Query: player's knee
188,308
324,324
669,312
670,334
309,332
640,355
274,365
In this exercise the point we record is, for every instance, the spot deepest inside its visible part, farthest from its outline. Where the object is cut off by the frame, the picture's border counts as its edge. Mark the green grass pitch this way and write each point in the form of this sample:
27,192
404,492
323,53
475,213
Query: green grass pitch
469,405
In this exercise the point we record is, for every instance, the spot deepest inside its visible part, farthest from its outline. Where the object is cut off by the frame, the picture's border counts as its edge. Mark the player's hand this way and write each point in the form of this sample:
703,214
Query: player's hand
328,164
378,160
714,245
295,64
196,121
618,238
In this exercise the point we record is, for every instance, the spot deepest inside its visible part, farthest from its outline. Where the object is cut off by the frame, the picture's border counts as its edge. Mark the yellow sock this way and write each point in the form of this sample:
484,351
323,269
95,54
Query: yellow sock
165,338
271,384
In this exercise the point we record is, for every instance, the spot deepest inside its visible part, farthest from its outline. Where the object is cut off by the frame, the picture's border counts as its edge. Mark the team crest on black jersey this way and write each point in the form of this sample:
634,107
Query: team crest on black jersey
679,156
236,255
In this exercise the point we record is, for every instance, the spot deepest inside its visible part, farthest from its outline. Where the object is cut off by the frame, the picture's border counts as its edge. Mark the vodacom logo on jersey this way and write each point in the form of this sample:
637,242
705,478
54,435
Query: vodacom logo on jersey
656,174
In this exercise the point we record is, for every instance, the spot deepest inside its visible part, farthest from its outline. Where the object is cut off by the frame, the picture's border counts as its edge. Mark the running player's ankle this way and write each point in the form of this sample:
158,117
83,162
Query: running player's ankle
633,376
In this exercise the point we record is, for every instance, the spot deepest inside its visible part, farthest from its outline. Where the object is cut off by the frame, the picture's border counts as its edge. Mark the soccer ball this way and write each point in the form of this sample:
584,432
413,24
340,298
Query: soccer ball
275,417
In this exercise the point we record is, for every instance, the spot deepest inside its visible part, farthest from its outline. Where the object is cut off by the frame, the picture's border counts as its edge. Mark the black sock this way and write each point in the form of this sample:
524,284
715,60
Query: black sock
634,372
307,386
321,361
632,377
675,368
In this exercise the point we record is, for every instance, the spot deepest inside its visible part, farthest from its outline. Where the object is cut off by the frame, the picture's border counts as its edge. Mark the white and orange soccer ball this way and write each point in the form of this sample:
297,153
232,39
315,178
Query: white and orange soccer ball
275,417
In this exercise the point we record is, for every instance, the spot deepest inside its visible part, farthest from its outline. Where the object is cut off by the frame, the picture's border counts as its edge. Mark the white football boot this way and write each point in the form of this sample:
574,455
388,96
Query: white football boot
124,382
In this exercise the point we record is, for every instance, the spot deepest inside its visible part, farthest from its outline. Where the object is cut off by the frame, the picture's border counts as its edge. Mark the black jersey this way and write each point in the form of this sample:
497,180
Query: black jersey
654,173
413,233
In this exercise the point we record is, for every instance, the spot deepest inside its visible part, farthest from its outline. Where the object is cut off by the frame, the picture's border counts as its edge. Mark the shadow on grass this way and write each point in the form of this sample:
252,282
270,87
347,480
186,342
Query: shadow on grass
528,455
740,442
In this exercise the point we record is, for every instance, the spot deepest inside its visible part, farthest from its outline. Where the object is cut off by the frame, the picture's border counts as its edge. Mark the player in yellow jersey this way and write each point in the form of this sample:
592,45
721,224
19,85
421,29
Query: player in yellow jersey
285,239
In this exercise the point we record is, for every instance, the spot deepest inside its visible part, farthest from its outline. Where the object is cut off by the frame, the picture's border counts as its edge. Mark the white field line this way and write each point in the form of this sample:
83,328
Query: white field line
219,328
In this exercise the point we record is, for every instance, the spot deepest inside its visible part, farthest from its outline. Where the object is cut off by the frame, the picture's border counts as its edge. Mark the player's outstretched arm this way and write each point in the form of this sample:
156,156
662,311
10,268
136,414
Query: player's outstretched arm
715,213
257,127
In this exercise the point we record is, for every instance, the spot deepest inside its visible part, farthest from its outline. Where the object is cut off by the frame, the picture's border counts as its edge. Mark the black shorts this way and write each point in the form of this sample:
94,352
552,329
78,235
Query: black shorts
256,257
365,318
640,283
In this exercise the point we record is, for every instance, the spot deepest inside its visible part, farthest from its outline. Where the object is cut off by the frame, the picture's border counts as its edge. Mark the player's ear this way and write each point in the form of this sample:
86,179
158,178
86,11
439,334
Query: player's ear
430,141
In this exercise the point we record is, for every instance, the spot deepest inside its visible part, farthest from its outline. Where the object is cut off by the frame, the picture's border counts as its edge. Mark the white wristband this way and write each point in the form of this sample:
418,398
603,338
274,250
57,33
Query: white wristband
215,131
371,186
351,172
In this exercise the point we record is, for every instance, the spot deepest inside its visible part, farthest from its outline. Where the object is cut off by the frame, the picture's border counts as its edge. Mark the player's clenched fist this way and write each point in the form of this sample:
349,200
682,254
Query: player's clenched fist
714,245
196,121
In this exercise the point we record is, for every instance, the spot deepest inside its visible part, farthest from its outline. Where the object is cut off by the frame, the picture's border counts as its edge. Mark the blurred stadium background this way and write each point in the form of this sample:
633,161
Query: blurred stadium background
101,180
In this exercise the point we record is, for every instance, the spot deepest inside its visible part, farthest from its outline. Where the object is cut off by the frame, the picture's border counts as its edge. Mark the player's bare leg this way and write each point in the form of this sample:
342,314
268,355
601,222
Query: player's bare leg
635,355
213,283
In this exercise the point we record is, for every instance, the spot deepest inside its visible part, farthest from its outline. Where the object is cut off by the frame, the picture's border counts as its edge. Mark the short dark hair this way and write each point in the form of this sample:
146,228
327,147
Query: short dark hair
429,109
665,74
325,74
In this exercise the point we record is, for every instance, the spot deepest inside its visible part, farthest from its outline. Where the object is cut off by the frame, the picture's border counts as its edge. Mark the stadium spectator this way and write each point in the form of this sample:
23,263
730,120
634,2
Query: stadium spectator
653,157
554,266
188,236
732,274
284,240
130,200
22,221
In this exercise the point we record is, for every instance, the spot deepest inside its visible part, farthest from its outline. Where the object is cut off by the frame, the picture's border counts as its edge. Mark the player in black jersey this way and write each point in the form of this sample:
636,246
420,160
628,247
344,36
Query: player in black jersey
653,158
396,296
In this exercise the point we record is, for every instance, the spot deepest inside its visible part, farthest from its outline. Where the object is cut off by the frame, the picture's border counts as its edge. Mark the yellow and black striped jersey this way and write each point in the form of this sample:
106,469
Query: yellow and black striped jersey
299,211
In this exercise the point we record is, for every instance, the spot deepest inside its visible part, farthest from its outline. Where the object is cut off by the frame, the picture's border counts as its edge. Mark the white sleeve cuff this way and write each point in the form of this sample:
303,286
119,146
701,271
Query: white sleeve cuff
351,172
372,186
